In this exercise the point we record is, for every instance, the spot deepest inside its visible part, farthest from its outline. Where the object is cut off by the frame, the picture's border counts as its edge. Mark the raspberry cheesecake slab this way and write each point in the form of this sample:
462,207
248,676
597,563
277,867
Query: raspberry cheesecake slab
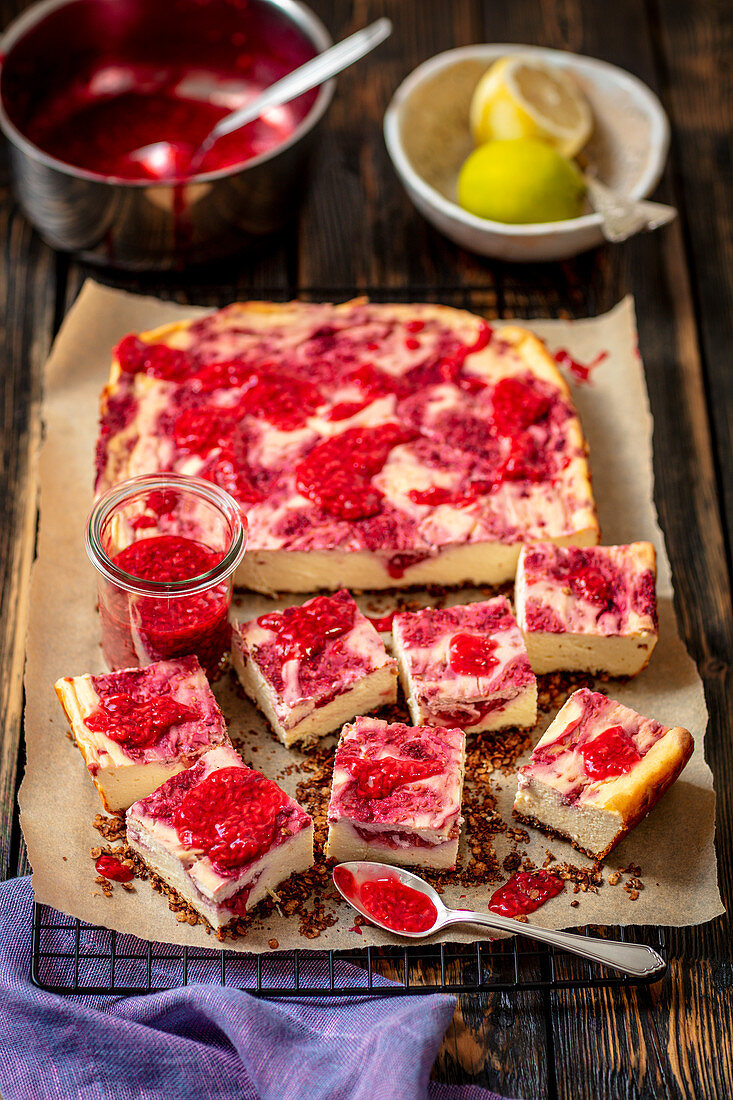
592,609
372,446
137,727
311,668
396,794
598,771
221,835
465,666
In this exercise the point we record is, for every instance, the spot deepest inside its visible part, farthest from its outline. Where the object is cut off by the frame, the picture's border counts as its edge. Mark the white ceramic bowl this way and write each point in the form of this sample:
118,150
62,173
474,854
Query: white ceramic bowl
428,138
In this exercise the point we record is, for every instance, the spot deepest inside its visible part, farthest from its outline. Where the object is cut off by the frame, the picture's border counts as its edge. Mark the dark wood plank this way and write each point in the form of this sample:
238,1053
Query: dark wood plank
358,226
655,268
27,292
694,45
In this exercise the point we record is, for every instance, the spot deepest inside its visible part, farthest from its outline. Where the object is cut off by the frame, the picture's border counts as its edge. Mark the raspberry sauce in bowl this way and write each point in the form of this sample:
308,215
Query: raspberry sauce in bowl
165,548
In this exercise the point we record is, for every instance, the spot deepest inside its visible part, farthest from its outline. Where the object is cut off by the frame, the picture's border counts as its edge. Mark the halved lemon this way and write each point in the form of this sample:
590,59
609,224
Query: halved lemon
519,97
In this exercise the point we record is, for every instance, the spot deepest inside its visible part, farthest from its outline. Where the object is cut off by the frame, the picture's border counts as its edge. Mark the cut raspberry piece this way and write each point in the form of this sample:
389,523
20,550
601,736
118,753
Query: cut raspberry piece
304,631
200,430
139,723
611,753
379,778
111,868
337,474
285,402
231,816
472,655
158,360
517,406
589,583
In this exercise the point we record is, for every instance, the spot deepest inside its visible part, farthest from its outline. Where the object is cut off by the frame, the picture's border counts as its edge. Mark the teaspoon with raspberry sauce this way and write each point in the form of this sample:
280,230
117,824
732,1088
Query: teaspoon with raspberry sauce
399,901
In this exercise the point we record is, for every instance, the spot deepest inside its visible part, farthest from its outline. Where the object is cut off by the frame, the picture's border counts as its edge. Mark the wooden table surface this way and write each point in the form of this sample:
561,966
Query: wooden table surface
357,229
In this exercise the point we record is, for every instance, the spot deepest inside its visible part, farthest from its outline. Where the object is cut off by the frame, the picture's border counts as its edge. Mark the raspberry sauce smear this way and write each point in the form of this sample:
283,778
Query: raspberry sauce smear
165,578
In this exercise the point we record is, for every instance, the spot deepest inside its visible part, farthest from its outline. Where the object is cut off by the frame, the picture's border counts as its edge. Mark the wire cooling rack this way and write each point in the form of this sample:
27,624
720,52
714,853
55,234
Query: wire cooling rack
72,957
69,956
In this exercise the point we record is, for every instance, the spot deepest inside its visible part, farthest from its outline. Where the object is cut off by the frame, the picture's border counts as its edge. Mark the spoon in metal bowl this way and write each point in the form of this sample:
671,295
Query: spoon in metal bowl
163,160
631,958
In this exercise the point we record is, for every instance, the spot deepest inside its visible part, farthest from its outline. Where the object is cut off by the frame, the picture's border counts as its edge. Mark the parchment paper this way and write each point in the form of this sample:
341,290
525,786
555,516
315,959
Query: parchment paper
674,846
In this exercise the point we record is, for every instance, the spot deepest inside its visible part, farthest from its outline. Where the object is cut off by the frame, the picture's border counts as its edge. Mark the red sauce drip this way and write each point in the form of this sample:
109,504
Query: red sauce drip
525,892
379,778
112,868
471,654
158,360
304,631
398,564
439,494
400,907
383,623
139,723
611,753
166,627
336,474
517,406
231,816
167,558
580,371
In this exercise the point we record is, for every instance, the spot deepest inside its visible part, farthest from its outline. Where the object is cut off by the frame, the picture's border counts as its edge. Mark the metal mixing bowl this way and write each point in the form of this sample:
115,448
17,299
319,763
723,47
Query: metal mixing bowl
139,224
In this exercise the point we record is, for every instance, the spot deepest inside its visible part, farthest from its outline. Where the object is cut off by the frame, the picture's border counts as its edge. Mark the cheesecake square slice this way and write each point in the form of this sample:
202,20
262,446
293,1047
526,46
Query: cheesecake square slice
465,666
598,770
309,669
137,727
222,835
588,609
396,794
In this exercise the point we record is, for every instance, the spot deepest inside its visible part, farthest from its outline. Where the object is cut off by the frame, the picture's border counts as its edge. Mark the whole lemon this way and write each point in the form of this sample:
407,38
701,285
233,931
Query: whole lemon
520,182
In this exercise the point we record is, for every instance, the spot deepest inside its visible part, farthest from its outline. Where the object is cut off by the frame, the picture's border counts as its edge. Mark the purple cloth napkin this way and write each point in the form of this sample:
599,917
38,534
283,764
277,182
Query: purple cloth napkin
208,1042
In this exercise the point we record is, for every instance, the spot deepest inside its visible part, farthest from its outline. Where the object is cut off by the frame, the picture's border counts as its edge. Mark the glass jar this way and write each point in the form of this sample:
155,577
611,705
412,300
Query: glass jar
165,547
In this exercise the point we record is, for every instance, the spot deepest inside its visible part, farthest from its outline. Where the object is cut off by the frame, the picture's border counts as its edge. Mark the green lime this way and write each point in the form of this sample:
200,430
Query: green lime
520,181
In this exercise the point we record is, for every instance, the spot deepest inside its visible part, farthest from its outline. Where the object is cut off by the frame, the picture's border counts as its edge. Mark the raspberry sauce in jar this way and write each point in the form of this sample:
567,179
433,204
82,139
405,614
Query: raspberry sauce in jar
165,548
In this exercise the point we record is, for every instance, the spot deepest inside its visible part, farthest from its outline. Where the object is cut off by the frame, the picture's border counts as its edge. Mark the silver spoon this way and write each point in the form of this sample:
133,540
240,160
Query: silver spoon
631,958
160,156
622,217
